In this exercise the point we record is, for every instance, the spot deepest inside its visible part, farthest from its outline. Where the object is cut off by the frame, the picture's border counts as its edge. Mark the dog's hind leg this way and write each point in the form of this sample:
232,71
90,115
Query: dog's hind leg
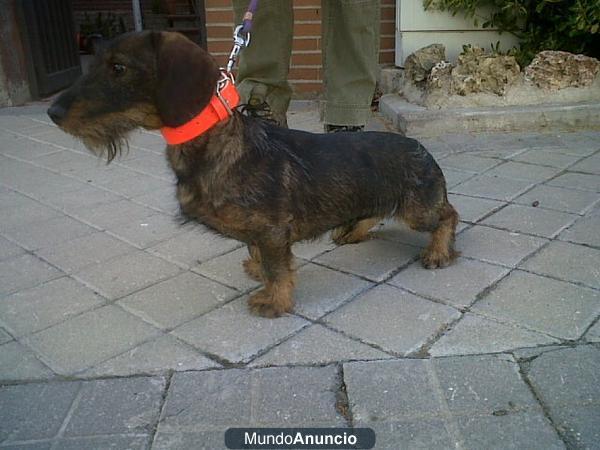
252,265
354,232
441,223
278,275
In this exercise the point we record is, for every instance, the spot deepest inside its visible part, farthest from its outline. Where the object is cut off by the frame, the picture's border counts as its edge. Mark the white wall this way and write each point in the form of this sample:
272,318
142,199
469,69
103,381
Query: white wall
416,28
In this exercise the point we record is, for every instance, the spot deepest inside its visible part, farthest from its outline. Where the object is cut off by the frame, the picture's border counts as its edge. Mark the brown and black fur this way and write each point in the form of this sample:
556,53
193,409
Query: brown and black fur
252,180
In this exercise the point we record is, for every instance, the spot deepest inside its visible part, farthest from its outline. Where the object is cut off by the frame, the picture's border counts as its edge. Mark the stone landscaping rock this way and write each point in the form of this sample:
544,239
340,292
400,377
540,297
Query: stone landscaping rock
477,72
554,70
419,64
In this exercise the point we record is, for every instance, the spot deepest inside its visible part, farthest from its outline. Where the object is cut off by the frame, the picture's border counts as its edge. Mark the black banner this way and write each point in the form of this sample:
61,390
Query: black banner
300,438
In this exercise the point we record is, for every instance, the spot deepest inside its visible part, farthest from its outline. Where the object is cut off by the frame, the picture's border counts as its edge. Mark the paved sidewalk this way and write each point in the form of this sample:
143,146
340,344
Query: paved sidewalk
121,329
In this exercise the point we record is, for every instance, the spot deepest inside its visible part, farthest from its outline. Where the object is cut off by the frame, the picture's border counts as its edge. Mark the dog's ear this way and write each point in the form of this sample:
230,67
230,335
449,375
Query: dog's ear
186,78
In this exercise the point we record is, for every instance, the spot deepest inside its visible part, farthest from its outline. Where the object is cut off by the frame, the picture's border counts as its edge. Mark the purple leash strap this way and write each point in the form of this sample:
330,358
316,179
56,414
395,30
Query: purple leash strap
247,22
241,34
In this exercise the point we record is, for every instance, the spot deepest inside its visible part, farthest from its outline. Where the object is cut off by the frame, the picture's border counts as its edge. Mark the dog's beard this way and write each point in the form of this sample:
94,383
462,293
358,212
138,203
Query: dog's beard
108,142
109,148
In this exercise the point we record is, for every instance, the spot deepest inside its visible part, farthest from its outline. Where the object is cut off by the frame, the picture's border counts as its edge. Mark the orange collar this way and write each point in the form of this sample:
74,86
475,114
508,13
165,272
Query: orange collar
217,111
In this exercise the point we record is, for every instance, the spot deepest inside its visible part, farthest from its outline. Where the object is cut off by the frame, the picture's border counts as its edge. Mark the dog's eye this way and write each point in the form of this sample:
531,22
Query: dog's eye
119,69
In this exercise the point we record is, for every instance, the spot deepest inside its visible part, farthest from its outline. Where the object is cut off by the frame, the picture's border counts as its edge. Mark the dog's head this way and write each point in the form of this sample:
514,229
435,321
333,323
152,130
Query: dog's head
147,79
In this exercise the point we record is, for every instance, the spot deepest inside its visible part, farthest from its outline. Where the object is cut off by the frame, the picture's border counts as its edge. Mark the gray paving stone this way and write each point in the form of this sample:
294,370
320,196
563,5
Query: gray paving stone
435,403
497,246
69,162
227,269
527,219
126,405
27,149
454,177
393,230
9,249
546,158
134,184
581,144
312,249
318,345
194,246
374,259
202,440
24,271
160,355
19,363
476,335
75,254
584,231
112,214
177,300
567,261
320,290
34,411
473,209
162,201
567,382
390,390
150,163
484,385
457,285
58,138
49,233
585,182
233,333
89,339
593,335
85,196
288,397
34,309
514,431
26,212
392,319
468,162
496,188
522,171
148,231
129,442
560,199
148,140
588,165
4,337
554,307
421,434
127,273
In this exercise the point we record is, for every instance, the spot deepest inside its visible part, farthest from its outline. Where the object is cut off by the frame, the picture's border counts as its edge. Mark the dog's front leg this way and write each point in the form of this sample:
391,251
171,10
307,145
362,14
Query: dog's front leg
276,296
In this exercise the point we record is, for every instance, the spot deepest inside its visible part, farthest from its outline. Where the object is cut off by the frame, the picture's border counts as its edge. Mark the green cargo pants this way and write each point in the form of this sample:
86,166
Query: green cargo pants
350,50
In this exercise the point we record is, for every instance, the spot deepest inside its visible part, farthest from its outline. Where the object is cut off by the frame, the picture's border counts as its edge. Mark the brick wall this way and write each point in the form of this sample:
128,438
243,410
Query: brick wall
305,71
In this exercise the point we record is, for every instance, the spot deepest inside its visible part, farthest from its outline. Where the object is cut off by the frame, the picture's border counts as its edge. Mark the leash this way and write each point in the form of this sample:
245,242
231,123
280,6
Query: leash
241,35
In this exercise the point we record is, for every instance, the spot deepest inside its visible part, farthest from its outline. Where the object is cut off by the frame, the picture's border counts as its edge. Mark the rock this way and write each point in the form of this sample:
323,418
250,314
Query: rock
554,70
440,77
477,72
418,65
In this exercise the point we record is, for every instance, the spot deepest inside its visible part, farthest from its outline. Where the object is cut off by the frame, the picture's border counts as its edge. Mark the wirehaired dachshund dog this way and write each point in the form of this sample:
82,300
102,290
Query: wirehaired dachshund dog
249,179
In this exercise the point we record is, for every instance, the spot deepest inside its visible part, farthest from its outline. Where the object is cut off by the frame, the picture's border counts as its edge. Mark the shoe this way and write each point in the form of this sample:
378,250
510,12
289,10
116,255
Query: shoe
338,128
261,110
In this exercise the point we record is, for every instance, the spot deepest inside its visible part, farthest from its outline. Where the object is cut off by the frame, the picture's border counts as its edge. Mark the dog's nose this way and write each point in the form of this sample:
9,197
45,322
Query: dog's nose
57,113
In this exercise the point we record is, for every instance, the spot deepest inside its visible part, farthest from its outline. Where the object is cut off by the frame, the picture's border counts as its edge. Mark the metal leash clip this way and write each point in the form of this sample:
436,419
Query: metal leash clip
239,42
226,78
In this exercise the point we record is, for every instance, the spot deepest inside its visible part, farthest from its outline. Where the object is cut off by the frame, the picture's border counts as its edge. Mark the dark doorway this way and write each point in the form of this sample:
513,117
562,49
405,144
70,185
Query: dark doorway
50,39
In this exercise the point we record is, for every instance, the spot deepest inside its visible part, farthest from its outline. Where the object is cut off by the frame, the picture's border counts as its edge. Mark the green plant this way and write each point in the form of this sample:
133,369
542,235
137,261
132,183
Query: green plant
108,26
569,25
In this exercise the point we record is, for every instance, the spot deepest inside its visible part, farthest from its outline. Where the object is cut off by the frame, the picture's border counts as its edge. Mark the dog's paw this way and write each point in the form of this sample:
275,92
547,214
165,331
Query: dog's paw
253,269
431,259
265,304
350,238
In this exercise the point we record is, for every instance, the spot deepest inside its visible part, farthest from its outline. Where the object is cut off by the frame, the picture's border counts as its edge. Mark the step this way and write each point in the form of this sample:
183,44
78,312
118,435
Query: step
417,120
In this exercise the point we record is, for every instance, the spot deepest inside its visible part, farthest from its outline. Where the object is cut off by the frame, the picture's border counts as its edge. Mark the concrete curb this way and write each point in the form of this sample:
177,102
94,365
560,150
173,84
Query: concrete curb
413,119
